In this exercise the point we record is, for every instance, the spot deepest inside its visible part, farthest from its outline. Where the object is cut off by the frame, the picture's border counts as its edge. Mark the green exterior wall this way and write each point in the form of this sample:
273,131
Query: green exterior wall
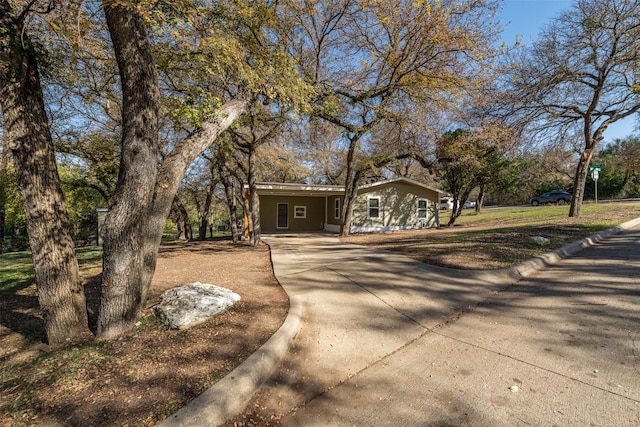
398,208
315,213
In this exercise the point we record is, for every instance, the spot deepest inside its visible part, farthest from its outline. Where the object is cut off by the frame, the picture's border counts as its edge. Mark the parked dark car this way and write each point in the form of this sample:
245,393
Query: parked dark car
560,197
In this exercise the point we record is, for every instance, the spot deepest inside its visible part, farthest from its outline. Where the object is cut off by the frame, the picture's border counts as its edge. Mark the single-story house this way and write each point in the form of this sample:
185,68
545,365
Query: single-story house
396,204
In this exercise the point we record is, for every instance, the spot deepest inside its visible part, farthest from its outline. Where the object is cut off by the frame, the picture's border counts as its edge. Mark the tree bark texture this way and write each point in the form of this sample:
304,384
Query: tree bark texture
582,170
173,168
203,222
4,161
182,219
60,293
145,190
127,229
350,189
480,199
231,204
246,217
255,233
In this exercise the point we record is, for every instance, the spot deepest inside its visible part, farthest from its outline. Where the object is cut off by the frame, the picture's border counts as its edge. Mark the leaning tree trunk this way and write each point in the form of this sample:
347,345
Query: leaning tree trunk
124,289
579,181
145,191
60,292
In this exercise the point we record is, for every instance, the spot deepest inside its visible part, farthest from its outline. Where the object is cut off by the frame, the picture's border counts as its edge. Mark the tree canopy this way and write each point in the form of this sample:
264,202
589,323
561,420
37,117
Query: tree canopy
581,75
112,102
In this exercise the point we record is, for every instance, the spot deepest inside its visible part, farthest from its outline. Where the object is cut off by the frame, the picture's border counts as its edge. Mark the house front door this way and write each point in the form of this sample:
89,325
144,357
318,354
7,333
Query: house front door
283,215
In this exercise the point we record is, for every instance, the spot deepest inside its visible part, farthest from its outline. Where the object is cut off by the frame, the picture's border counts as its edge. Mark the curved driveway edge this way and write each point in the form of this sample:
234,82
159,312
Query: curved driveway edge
229,397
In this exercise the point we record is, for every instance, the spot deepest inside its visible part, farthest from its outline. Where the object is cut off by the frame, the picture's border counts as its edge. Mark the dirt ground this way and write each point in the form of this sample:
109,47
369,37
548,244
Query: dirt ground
492,244
148,374
151,372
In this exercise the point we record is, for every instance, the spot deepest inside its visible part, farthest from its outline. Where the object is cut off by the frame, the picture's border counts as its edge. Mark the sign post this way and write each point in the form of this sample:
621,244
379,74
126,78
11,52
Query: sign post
595,174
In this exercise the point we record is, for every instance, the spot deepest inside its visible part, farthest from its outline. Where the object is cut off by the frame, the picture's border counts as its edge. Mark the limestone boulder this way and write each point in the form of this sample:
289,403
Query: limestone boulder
541,241
191,304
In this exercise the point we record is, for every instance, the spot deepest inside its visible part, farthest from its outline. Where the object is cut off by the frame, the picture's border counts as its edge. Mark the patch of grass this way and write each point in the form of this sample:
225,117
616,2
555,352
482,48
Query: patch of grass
19,296
501,237
16,268
89,257
151,321
550,214
16,271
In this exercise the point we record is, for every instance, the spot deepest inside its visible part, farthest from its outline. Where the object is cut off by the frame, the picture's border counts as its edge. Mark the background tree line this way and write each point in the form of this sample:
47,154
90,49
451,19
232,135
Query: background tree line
176,109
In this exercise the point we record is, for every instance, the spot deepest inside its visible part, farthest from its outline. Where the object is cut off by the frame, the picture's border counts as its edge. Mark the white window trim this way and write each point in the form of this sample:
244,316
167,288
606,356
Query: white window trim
304,212
425,209
336,207
369,207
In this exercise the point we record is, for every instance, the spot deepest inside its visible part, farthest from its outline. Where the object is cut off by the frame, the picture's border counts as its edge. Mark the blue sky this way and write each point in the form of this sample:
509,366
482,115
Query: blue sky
525,18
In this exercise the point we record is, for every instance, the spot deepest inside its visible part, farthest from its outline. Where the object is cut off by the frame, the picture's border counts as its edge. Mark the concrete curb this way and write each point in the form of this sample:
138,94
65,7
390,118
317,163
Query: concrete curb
531,266
230,396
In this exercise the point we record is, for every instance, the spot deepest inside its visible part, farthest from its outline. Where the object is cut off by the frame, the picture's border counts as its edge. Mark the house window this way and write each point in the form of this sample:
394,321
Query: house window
374,207
300,211
336,205
422,208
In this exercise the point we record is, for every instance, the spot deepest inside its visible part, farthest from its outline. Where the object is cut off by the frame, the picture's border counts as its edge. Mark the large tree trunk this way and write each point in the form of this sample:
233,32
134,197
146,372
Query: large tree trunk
145,192
4,161
579,181
255,234
127,228
350,189
26,127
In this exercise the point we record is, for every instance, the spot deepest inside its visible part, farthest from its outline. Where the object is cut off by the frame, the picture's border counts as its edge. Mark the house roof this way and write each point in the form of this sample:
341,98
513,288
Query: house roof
402,180
280,188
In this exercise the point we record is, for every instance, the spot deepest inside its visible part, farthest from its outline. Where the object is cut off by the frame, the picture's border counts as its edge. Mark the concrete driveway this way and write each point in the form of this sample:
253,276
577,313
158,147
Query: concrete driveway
389,341
383,340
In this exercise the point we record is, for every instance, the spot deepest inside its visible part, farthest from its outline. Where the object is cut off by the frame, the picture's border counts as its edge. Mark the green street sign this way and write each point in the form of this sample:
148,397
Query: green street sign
595,168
